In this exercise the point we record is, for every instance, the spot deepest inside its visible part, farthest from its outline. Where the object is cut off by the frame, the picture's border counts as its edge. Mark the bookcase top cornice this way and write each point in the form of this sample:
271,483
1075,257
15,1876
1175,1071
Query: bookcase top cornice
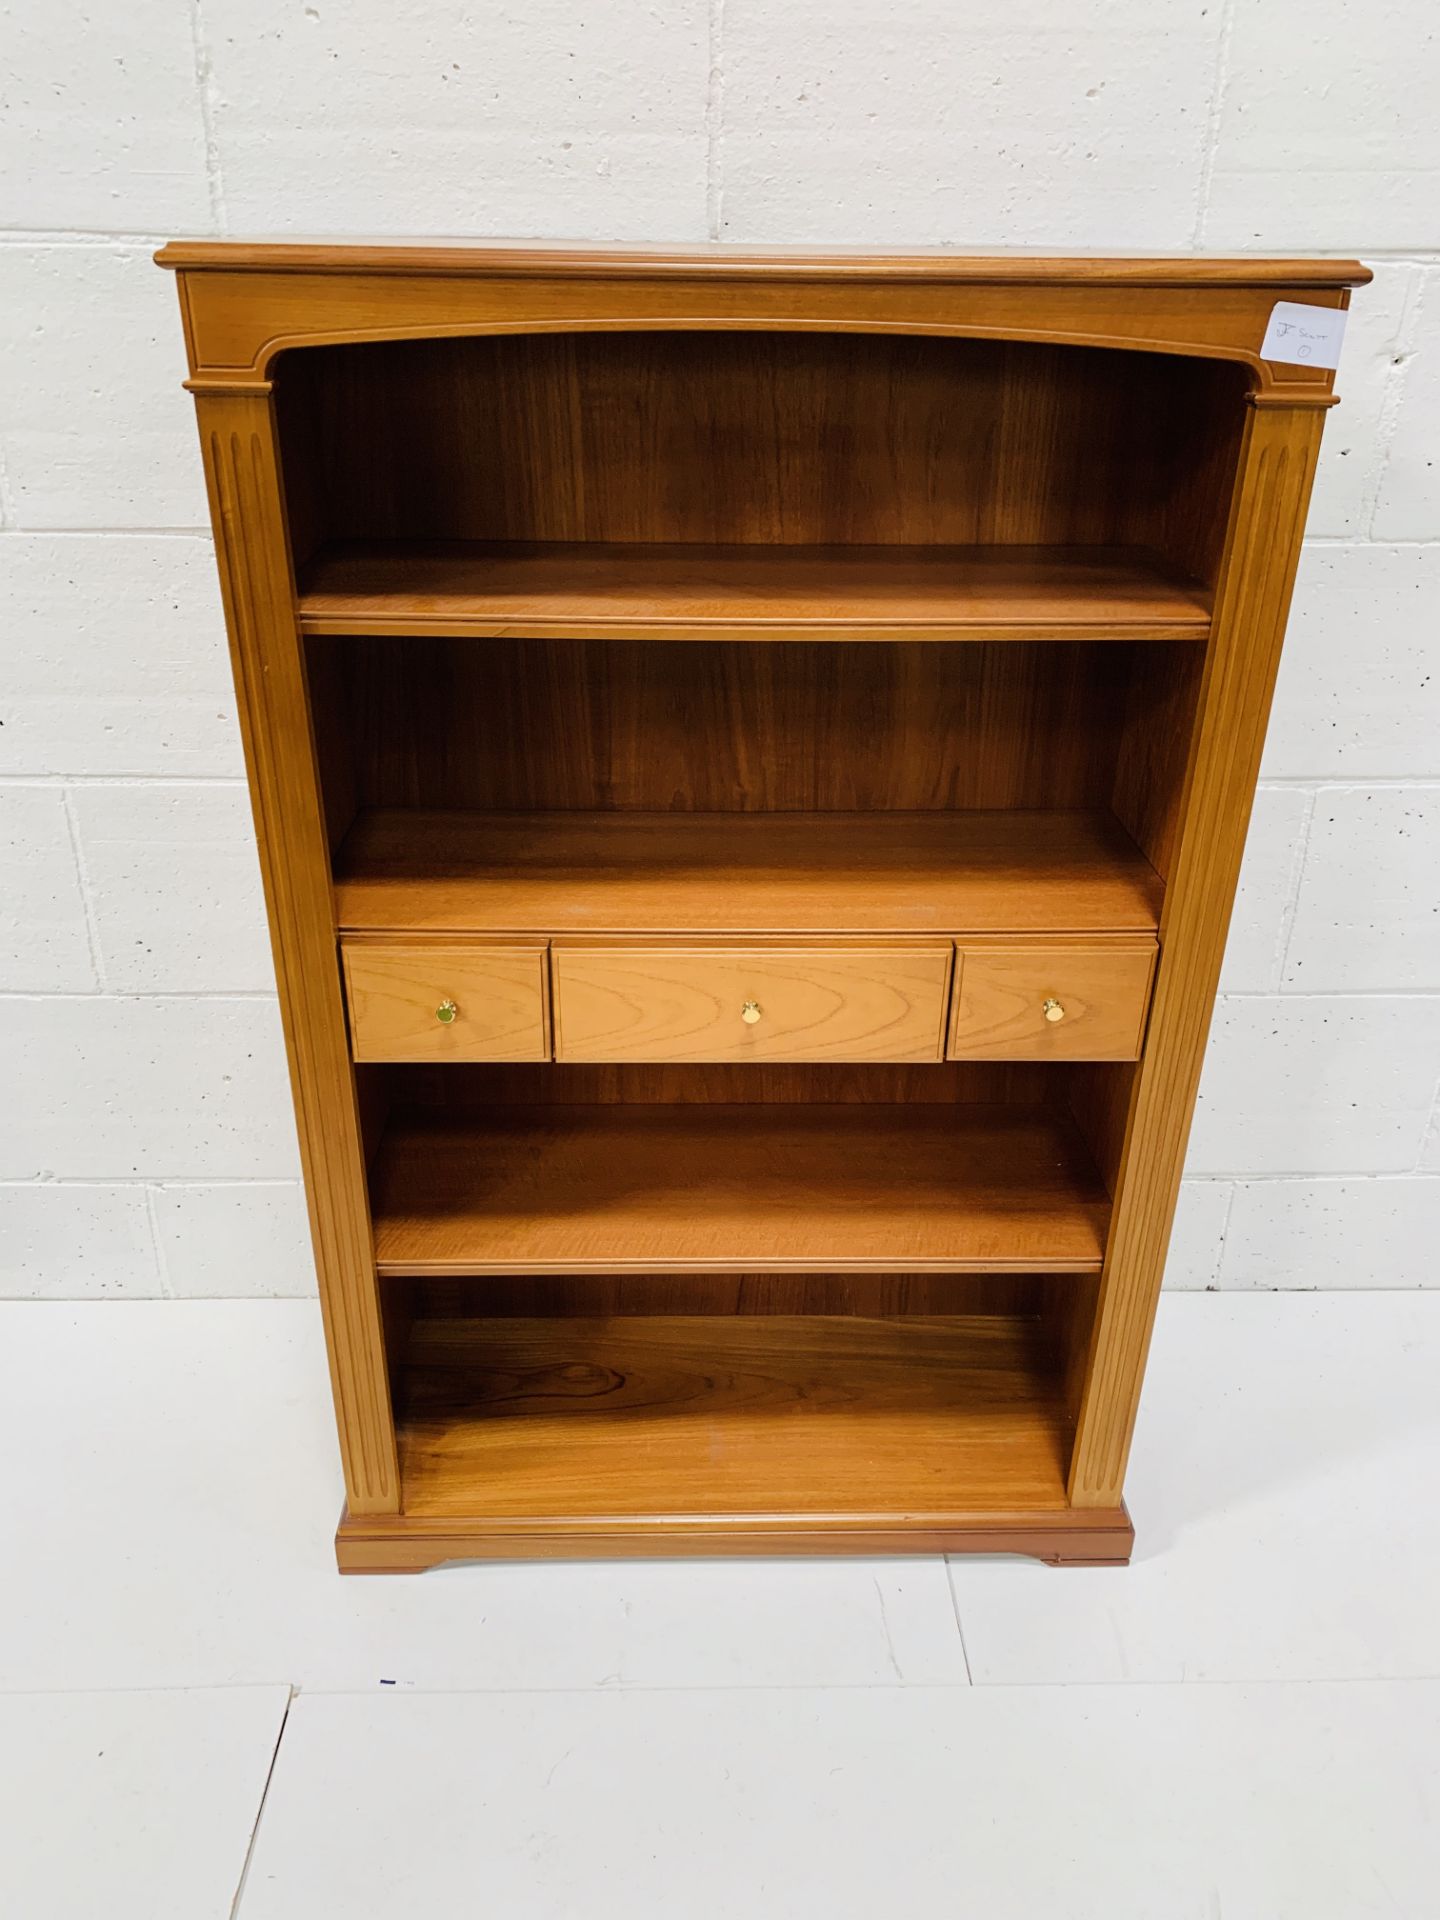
510,258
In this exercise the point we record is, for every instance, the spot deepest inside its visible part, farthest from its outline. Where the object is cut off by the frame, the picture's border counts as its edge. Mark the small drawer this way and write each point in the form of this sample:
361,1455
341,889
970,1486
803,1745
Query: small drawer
1048,1000
447,1000
751,1003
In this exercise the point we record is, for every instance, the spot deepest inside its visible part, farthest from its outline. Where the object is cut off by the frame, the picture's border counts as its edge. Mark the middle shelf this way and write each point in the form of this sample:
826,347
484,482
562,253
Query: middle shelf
1063,870
677,1188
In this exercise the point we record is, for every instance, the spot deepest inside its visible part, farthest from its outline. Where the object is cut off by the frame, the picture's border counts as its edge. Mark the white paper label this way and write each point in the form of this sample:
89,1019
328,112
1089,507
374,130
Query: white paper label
1303,336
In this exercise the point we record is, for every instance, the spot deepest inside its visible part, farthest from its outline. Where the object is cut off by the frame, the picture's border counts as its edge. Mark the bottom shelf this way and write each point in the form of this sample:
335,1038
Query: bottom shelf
762,1423
634,1435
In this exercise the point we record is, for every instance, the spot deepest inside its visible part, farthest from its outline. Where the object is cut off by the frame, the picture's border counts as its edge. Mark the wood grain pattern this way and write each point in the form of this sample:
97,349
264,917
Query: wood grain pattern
652,1188
732,445
1001,992
500,995
662,726
1152,752
860,873
1273,491
1098,1096
242,322
1038,1297
535,589
688,1003
237,438
685,1417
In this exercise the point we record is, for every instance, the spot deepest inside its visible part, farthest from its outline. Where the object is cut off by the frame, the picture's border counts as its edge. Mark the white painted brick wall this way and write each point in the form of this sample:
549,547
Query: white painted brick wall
146,1145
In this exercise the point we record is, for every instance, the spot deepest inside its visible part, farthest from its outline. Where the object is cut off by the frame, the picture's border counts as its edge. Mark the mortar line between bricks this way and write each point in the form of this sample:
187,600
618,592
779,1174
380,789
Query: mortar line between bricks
1310,1180
166,1181
1227,1215
87,892
1336,993
1392,399
1331,542
1221,79
137,237
1347,782
1295,884
107,533
1298,1177
157,1248
130,781
7,505
117,996
715,119
1393,256
1432,1125
205,99
78,237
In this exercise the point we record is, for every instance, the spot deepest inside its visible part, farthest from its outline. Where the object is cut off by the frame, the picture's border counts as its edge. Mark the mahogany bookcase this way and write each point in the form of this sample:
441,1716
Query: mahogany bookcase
751,755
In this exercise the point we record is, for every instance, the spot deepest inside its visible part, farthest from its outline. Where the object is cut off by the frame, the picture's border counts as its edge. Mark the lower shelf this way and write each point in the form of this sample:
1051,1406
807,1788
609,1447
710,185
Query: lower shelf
740,1434
744,1188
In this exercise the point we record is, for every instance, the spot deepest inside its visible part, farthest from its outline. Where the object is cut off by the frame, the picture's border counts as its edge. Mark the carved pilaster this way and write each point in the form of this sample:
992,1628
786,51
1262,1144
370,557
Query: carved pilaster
237,433
1277,466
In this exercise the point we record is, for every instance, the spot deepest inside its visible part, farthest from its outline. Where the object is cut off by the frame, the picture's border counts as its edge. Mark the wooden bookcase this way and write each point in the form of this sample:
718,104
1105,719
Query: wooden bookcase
751,755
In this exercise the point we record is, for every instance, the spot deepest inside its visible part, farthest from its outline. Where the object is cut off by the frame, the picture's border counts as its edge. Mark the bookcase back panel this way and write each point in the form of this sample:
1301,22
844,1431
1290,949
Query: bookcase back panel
1059,1309
495,1295
729,727
758,437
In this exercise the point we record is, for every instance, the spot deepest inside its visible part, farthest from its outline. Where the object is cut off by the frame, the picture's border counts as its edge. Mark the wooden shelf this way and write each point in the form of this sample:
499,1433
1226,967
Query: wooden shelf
531,589
777,1418
1011,872
659,1188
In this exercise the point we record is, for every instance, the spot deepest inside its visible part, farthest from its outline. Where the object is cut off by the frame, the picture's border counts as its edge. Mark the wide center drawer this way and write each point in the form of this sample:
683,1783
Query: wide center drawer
752,1003
442,1000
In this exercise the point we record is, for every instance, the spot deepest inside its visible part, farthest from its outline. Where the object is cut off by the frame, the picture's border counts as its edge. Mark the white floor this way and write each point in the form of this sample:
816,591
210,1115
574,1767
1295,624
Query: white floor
1245,1722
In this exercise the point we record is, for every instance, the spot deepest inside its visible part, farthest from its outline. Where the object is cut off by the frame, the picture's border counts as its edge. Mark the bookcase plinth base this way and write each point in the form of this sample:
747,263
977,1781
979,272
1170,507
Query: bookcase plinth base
383,1543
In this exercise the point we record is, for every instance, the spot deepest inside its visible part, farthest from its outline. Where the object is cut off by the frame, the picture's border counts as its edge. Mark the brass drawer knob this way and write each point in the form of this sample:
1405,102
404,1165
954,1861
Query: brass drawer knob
1053,1011
446,1011
750,1012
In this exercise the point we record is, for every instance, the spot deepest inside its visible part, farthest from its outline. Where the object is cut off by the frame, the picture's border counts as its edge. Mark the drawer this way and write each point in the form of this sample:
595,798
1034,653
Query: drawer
447,1000
1050,1000
751,1003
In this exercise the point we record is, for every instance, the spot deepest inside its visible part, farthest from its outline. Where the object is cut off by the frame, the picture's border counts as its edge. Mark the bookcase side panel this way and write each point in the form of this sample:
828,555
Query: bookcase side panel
1276,469
237,433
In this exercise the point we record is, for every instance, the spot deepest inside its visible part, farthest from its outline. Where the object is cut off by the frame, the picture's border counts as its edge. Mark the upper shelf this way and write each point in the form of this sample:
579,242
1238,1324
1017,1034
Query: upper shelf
528,590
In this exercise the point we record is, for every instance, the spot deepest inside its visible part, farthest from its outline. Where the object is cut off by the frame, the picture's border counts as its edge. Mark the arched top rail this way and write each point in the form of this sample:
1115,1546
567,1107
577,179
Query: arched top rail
247,303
